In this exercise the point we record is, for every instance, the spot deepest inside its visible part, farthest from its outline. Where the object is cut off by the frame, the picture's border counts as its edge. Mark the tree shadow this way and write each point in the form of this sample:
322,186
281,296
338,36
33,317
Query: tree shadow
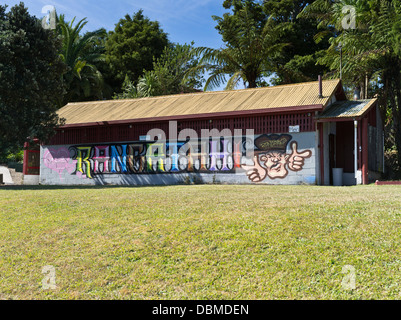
70,187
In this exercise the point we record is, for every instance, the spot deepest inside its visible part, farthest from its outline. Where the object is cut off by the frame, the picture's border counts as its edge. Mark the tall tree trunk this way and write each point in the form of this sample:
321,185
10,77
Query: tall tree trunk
252,77
252,83
397,124
395,98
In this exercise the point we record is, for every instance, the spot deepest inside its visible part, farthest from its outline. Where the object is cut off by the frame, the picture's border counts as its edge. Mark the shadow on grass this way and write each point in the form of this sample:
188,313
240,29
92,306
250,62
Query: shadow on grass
79,187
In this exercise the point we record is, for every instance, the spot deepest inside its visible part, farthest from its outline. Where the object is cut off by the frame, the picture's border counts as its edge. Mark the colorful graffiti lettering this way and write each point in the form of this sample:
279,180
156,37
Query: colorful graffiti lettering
156,157
268,159
272,160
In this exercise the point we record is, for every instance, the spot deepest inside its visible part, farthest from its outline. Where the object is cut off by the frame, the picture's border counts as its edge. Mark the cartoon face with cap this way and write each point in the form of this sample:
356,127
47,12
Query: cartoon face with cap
275,163
273,160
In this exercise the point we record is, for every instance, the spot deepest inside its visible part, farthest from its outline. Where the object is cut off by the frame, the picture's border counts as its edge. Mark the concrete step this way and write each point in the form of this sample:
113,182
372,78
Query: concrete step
6,175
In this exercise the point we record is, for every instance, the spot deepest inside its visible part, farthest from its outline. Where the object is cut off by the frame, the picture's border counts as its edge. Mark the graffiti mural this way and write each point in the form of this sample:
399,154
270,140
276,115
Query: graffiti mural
58,160
214,155
157,157
272,161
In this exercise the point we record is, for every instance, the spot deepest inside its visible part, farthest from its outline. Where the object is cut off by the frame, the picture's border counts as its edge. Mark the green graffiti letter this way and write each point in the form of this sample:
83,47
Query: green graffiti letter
83,154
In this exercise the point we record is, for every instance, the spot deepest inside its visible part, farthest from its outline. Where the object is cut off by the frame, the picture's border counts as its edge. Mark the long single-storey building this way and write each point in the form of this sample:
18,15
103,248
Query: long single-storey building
306,133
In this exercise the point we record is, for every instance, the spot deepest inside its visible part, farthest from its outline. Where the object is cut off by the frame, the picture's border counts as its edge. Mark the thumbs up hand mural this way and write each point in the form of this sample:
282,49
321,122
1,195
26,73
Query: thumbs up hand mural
255,173
296,160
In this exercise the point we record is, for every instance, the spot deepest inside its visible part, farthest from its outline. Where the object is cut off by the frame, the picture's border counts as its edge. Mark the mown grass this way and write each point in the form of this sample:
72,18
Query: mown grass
201,242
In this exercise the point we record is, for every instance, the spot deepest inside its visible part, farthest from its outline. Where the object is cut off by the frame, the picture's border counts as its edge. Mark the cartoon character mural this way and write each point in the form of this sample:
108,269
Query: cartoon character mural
271,159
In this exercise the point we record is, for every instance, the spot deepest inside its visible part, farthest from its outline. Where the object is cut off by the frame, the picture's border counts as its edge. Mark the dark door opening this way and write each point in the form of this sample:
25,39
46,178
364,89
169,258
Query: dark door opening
332,154
345,146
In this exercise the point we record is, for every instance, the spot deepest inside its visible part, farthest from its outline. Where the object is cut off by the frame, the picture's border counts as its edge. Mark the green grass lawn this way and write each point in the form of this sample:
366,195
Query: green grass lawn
201,242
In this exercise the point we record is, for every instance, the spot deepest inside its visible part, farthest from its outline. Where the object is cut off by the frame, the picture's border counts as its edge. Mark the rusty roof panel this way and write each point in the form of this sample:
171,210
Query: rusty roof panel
347,109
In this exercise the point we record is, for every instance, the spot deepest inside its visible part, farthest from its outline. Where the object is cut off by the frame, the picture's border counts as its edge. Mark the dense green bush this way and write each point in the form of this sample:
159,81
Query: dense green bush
7,156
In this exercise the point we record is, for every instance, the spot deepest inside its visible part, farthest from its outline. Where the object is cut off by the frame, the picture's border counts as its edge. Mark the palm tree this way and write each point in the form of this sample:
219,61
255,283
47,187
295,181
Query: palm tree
81,54
251,45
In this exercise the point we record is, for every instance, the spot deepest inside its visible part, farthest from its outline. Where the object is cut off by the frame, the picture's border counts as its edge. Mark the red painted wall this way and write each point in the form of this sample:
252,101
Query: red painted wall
131,132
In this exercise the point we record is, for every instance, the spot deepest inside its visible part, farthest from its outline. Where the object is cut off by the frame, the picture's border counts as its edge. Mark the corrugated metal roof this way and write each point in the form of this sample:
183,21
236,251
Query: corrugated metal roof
302,94
347,109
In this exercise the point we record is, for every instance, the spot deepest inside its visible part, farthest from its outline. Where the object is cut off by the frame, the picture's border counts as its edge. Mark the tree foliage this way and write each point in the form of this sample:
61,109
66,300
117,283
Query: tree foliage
168,75
82,54
264,38
131,48
299,61
30,78
251,43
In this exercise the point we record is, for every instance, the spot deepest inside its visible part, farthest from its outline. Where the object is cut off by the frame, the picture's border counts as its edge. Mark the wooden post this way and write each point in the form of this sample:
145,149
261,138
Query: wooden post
321,148
365,146
356,151
366,85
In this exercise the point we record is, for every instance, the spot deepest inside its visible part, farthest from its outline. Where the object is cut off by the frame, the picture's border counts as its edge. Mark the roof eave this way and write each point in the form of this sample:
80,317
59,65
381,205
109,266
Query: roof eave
348,118
267,111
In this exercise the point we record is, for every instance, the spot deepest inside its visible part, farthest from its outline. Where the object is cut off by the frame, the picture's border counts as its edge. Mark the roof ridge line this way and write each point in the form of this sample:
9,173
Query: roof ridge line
201,93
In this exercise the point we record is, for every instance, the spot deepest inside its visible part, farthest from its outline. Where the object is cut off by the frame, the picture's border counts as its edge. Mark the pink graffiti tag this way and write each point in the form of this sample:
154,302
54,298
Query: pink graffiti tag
59,160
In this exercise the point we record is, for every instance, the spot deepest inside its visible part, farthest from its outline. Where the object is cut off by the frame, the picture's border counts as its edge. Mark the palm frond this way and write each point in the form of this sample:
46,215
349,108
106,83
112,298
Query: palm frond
233,82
